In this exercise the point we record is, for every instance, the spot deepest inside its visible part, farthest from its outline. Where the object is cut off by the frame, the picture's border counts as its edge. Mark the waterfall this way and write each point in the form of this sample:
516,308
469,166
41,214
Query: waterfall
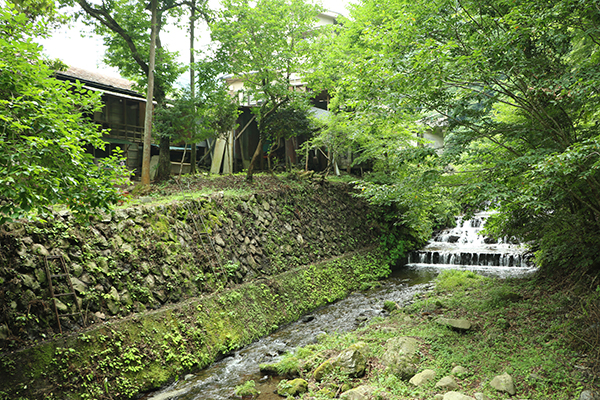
464,247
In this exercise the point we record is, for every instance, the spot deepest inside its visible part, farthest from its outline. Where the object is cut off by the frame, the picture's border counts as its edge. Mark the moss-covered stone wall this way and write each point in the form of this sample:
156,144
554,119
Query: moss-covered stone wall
122,358
146,257
147,263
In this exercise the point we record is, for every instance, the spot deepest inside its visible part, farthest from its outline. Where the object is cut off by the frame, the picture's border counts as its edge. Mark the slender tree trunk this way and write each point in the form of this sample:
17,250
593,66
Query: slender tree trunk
164,159
192,85
254,160
149,98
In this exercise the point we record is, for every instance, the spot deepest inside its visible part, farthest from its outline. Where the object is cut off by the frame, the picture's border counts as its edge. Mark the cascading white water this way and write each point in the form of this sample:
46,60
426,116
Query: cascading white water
463,247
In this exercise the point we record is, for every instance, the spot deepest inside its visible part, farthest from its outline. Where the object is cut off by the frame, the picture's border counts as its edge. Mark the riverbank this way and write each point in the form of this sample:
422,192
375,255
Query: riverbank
159,250
172,280
461,341
121,359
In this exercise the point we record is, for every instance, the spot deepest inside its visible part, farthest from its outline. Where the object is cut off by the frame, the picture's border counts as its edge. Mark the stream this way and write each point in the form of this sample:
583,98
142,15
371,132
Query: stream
218,381
456,248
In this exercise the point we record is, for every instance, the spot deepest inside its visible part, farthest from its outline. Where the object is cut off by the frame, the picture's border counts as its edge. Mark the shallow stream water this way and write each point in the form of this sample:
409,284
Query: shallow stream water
218,381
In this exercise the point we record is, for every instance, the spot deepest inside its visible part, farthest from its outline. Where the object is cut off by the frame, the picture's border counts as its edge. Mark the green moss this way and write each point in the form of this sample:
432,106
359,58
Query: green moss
148,350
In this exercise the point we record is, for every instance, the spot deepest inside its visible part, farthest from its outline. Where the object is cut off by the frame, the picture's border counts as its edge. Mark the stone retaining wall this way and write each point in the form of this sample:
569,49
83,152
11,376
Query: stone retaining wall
147,257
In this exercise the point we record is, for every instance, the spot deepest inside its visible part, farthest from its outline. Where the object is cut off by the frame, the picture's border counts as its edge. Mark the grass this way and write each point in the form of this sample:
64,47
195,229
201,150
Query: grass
199,185
530,328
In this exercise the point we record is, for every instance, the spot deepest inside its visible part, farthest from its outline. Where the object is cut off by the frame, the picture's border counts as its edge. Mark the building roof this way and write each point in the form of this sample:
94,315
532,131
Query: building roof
95,80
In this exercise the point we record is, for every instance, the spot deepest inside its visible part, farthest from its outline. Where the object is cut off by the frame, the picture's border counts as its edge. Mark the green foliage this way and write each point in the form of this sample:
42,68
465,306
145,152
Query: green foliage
125,27
264,45
193,119
456,279
45,125
210,112
248,388
513,87
288,121
526,338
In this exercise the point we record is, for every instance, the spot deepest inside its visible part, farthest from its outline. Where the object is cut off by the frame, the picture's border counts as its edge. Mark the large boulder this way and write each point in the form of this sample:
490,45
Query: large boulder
401,356
353,360
504,383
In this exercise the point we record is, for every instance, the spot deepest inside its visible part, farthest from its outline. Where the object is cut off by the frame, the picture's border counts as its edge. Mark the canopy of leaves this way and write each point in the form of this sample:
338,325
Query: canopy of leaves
287,122
44,126
264,44
516,86
125,26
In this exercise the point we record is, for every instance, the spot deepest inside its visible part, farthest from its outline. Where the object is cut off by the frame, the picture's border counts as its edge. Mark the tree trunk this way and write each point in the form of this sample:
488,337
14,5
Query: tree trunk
192,85
164,159
255,157
149,98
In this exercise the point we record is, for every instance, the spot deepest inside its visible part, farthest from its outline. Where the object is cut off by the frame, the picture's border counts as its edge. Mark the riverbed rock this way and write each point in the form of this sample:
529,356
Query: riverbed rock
364,392
504,383
447,383
292,388
322,370
457,324
401,356
422,377
459,370
353,360
589,395
457,396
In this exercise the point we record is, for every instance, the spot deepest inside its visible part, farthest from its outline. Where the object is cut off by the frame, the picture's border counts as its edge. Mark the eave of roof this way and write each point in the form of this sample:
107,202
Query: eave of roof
99,82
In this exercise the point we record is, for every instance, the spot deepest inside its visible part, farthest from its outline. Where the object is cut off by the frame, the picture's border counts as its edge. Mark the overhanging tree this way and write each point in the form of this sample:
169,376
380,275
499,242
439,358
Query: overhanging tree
516,84
264,44
44,127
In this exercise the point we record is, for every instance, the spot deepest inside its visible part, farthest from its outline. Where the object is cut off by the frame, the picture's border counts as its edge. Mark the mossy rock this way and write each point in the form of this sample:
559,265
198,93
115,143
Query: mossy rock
292,388
353,360
325,368
401,357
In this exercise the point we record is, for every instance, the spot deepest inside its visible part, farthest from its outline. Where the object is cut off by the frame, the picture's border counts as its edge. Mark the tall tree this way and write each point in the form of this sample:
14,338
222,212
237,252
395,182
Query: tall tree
264,44
126,28
149,94
44,129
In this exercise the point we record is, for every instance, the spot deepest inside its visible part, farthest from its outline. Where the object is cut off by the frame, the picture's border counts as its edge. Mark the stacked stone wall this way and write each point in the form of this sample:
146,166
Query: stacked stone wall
149,256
